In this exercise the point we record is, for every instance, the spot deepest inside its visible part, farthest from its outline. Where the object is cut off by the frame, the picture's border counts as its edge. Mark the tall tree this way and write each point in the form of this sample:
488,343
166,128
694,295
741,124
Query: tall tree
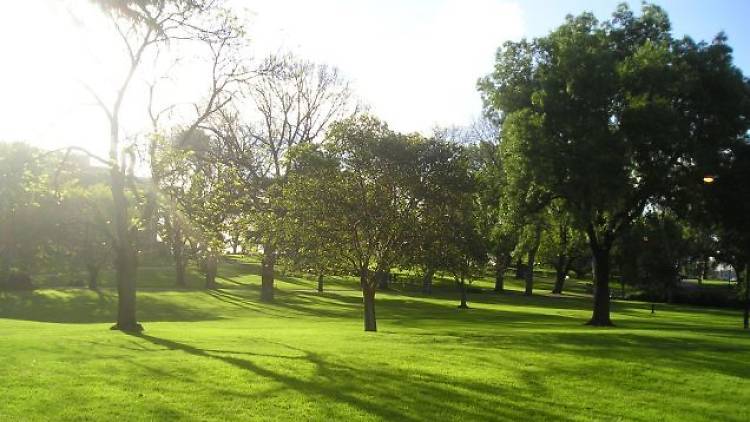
356,193
561,244
445,194
291,104
613,116
729,204
143,27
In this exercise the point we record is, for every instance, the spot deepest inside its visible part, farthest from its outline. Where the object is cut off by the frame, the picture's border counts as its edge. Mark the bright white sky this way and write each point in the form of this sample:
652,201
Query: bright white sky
414,62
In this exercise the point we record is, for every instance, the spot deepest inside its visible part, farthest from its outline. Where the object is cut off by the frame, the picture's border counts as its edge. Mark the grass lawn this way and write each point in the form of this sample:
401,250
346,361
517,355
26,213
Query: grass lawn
222,355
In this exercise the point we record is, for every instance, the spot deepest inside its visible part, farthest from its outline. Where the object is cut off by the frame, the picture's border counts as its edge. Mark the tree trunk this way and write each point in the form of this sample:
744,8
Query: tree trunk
529,275
368,298
126,258
561,270
320,283
267,269
235,244
746,313
500,263
519,268
702,270
382,277
600,316
670,292
211,269
178,252
180,268
427,280
93,272
462,289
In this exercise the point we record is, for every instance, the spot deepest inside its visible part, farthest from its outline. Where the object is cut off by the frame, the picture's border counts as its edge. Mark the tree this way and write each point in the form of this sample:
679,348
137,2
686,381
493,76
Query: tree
143,27
24,199
224,42
499,232
465,256
355,194
293,105
561,244
729,204
652,252
202,194
85,231
611,117
445,193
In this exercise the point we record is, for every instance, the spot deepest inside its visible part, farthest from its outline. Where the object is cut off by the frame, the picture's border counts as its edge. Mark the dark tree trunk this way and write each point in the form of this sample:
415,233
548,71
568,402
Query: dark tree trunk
746,313
427,280
464,298
320,283
529,278
702,268
126,259
500,264
519,268
381,277
180,267
235,244
178,253
267,270
180,263
670,292
211,269
561,270
600,316
93,272
368,298
529,275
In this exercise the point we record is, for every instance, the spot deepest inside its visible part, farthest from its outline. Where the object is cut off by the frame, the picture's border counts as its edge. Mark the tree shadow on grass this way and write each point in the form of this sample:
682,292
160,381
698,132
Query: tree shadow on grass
386,393
84,306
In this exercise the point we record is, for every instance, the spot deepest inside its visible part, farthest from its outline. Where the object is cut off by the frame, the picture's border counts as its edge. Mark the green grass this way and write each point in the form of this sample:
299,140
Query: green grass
222,355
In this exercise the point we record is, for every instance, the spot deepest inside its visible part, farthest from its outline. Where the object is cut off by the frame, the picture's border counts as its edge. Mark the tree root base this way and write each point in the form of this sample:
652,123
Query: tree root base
129,328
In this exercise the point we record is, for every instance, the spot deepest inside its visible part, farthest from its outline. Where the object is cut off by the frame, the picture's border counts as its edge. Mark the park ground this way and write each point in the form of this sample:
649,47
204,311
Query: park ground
223,355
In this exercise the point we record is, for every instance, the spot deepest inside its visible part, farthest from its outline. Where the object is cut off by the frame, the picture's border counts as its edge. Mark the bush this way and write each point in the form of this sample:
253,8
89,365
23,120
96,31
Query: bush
696,295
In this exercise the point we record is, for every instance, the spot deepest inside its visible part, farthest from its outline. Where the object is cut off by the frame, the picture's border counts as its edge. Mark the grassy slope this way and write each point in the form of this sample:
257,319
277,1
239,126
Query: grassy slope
223,355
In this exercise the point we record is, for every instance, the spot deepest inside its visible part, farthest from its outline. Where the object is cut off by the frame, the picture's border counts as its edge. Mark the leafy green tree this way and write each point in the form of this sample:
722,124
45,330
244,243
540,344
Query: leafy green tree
86,229
355,194
145,29
201,191
611,117
444,193
729,204
291,104
24,197
652,252
499,231
465,256
561,243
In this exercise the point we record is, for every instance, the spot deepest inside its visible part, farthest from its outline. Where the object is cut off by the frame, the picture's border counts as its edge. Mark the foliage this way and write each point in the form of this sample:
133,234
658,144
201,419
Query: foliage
611,117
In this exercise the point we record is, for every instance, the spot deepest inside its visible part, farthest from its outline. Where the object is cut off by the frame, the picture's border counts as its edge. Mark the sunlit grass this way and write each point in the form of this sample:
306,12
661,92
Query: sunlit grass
224,355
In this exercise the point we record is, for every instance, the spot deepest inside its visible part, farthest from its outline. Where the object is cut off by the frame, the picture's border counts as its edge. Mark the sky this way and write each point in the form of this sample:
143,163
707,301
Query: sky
414,62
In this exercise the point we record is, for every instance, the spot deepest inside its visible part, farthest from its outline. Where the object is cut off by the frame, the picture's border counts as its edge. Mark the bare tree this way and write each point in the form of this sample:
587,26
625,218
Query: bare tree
290,103
143,27
229,69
